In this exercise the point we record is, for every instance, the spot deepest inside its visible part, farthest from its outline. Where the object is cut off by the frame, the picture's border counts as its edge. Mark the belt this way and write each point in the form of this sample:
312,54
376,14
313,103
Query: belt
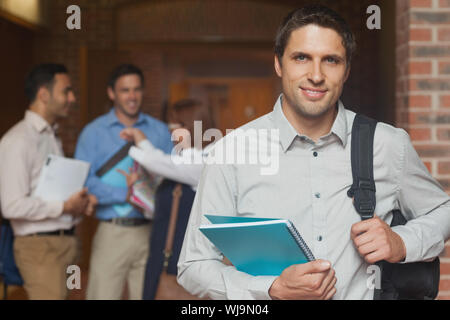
61,232
128,222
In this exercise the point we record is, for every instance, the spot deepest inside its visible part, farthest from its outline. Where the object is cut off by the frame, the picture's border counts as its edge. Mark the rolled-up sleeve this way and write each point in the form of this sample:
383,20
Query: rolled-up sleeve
425,205
200,267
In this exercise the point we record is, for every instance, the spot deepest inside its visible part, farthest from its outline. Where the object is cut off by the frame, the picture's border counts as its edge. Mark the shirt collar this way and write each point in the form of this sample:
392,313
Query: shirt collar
340,127
112,119
39,123
288,133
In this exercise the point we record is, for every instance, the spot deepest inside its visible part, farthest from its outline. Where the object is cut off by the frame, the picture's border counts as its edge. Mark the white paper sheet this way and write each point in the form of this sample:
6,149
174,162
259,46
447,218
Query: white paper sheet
60,178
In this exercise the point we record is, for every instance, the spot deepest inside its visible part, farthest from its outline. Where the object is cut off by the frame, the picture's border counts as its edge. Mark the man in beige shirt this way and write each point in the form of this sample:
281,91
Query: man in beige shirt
45,243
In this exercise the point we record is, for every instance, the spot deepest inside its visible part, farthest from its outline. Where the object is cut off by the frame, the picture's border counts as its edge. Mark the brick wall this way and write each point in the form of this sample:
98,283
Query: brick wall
423,91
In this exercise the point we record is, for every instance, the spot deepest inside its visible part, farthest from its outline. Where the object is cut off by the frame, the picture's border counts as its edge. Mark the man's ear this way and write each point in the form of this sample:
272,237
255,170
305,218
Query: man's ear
347,73
277,65
111,93
43,95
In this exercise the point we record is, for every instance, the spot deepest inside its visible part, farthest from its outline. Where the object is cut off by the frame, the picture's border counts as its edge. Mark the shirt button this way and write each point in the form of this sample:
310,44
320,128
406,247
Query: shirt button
317,195
315,154
319,238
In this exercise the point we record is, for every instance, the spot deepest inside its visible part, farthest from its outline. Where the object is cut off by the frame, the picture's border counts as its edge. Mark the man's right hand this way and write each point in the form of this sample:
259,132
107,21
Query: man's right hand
132,134
314,280
77,203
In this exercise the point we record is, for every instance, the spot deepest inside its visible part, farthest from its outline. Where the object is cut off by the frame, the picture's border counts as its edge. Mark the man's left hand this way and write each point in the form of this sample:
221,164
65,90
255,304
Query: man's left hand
90,209
131,177
375,241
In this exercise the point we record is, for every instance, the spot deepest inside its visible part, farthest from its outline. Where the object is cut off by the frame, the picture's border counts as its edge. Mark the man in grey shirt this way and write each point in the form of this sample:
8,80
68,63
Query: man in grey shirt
313,51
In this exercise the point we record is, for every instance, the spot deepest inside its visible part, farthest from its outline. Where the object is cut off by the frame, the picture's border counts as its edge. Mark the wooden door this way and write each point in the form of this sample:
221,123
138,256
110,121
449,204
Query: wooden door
232,102
250,99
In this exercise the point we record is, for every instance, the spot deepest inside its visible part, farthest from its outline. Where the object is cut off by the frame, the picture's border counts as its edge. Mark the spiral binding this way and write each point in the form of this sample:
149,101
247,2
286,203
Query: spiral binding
301,243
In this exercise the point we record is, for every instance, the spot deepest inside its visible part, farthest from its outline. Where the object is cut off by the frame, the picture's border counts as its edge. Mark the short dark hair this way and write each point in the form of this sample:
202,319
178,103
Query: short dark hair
123,70
41,75
319,15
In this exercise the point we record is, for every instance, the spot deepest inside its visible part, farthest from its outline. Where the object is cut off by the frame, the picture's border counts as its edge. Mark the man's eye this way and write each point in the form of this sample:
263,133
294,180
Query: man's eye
300,58
331,60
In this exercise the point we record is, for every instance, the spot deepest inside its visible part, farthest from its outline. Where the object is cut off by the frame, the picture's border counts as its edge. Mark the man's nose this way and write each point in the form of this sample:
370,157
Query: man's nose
315,75
132,95
72,98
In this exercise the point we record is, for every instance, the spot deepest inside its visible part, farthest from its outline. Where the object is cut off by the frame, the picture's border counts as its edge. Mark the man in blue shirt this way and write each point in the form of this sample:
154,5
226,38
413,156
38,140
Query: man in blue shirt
120,245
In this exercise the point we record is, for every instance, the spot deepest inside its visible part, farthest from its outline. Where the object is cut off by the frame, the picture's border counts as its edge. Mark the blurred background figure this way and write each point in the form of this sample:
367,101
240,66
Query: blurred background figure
120,245
45,243
184,177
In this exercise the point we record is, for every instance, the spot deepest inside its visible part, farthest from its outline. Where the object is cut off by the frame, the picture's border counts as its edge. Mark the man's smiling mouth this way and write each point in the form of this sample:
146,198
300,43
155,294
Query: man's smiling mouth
312,93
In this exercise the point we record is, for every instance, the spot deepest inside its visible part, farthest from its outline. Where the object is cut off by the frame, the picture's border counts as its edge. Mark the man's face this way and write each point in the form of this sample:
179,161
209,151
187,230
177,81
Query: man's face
61,97
127,95
313,70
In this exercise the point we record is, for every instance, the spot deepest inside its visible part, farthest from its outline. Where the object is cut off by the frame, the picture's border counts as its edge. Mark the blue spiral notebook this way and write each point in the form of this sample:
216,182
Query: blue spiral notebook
257,246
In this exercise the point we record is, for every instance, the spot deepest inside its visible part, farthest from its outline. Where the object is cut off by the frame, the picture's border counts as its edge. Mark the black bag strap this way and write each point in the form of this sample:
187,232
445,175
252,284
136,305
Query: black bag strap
363,189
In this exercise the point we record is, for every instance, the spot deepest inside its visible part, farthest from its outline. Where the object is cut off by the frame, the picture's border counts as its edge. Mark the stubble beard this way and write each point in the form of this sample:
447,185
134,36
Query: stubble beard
309,112
128,114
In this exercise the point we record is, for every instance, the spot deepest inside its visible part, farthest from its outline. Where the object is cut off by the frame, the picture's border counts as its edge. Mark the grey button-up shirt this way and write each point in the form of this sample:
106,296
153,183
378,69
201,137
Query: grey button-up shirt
308,185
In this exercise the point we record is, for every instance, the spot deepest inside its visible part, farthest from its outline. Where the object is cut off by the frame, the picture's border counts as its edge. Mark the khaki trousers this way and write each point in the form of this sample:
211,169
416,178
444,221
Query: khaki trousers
42,262
118,256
